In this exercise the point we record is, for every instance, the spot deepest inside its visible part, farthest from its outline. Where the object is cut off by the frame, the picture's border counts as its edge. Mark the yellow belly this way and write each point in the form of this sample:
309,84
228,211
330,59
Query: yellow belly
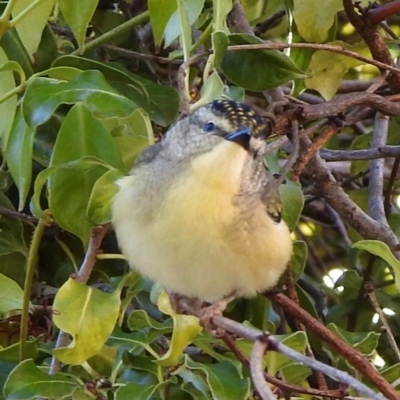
197,242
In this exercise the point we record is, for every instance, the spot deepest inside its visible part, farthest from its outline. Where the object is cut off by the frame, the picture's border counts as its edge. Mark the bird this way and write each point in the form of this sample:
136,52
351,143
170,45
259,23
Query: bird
200,212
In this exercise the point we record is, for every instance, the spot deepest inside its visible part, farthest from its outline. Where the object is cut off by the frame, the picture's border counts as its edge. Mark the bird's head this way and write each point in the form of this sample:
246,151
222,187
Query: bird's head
217,121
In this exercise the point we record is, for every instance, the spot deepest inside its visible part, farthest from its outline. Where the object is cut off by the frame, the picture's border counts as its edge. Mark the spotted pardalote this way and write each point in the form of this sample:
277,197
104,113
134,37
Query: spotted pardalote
200,213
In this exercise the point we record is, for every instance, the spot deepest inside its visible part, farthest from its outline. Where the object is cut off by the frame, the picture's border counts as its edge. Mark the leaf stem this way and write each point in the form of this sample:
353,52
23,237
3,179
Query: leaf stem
5,17
30,270
23,13
108,36
11,93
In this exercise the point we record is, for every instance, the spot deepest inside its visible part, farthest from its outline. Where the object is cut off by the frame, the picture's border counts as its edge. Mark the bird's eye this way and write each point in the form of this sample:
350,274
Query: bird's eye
209,127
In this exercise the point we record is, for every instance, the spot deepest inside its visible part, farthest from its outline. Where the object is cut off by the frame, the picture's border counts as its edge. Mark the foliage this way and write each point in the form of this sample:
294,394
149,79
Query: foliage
84,87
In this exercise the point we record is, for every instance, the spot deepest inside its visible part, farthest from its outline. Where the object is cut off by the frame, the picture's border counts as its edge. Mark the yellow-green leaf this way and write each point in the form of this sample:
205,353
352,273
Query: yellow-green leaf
186,328
88,315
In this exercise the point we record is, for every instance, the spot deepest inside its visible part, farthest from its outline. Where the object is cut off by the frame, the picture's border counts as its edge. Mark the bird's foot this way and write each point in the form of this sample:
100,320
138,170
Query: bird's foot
193,305
207,314
183,304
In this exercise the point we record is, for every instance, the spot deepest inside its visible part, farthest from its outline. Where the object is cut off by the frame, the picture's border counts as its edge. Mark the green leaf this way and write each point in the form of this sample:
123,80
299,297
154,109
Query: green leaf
160,13
11,238
99,207
131,135
13,265
174,28
219,42
19,156
88,315
69,190
11,295
31,34
15,50
326,71
84,164
381,250
9,106
27,381
139,319
160,101
223,379
299,258
44,95
292,202
78,21
12,353
365,342
213,88
247,68
111,71
275,361
295,373
186,328
221,8
15,67
103,21
162,104
133,390
186,31
314,20
62,73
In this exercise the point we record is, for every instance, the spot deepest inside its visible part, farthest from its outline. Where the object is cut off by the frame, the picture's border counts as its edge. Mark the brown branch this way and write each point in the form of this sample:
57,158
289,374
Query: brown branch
342,103
319,142
18,215
378,14
369,32
358,360
325,185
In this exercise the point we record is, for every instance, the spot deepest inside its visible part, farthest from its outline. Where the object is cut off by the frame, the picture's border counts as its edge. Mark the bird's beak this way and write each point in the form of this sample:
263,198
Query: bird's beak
241,136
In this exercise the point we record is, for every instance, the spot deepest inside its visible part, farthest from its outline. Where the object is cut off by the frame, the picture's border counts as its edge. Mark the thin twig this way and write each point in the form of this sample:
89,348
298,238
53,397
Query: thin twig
257,371
18,215
329,132
376,208
390,187
351,155
182,71
369,288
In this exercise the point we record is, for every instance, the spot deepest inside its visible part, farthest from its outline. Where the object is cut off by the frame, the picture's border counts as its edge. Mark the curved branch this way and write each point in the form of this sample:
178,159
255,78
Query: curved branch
257,371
